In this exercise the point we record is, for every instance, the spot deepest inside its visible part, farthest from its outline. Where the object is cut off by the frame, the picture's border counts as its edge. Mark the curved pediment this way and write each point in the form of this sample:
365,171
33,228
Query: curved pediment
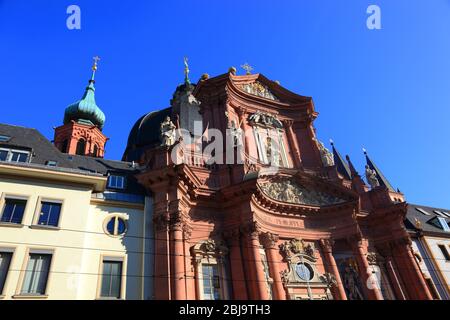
290,191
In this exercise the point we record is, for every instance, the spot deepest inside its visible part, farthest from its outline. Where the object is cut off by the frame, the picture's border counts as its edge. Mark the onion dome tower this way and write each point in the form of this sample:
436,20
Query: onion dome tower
81,132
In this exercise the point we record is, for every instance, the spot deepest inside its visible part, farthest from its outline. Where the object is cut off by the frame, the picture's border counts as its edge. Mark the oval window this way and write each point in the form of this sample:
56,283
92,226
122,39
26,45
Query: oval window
304,271
116,226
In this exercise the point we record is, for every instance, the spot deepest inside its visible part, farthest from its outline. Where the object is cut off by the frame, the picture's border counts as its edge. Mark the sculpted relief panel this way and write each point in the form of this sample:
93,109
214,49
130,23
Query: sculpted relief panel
291,192
258,89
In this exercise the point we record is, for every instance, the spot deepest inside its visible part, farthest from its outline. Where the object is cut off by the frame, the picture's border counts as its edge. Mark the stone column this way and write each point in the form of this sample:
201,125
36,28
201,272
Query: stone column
238,279
338,290
416,284
270,241
386,252
373,292
251,230
162,253
178,260
295,150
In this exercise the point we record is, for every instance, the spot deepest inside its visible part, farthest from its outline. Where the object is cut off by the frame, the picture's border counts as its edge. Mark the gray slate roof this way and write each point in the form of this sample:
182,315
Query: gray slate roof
413,214
43,150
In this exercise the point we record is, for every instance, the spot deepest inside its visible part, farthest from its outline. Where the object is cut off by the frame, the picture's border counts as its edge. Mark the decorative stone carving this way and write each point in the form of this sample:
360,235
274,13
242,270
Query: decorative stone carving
291,192
265,120
371,177
372,258
302,269
325,154
296,247
258,89
210,247
327,245
284,277
161,222
329,279
167,130
270,240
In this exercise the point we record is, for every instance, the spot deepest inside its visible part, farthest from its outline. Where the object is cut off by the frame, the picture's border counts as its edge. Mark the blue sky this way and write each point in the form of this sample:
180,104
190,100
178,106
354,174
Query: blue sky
386,90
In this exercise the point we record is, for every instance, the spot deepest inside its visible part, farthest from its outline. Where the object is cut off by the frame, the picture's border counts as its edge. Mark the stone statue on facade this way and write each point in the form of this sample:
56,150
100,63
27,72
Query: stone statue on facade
325,154
236,133
371,177
351,283
167,132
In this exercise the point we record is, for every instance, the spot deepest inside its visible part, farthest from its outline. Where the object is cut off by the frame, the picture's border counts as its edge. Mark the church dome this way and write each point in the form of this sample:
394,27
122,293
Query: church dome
145,133
85,110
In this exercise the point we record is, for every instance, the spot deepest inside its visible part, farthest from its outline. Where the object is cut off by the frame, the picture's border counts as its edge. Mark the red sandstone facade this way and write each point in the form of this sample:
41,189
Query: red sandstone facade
335,242
81,139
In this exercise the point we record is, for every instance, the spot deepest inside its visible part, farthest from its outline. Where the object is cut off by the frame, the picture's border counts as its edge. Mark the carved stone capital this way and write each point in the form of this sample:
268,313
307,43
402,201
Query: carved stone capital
251,229
187,231
177,221
327,245
161,222
288,123
269,240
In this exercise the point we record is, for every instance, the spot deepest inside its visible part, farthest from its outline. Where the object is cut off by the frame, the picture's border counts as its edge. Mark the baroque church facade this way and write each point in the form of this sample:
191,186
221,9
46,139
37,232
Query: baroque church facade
311,229
226,194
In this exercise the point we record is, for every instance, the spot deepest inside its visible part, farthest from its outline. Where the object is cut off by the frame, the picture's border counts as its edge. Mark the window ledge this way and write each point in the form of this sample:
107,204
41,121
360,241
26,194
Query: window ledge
11,225
44,227
30,296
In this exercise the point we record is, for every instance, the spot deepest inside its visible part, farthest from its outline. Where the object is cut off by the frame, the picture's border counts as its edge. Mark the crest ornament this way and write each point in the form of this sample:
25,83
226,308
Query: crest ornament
296,247
258,89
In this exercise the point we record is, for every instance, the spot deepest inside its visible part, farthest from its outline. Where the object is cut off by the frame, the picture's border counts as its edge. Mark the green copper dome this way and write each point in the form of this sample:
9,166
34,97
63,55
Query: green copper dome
86,110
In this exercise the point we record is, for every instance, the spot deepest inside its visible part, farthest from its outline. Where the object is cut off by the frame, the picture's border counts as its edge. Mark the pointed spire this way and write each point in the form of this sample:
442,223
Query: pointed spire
381,178
341,165
353,172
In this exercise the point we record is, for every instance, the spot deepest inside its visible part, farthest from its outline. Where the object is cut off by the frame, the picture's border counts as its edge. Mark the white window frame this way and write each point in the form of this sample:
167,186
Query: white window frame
10,154
122,178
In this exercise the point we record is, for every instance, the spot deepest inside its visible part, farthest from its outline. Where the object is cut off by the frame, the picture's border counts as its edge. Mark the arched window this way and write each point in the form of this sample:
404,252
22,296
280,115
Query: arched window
65,146
211,270
95,152
81,147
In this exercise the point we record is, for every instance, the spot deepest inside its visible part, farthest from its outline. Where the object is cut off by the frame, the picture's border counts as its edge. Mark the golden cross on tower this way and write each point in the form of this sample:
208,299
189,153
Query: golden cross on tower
248,68
96,60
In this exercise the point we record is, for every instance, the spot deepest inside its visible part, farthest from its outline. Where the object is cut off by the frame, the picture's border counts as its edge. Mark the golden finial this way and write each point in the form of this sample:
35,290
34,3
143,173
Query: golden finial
248,68
94,67
205,76
96,60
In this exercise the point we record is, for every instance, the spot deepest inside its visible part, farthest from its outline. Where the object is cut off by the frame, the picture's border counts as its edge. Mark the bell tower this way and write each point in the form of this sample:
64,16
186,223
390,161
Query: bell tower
81,132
